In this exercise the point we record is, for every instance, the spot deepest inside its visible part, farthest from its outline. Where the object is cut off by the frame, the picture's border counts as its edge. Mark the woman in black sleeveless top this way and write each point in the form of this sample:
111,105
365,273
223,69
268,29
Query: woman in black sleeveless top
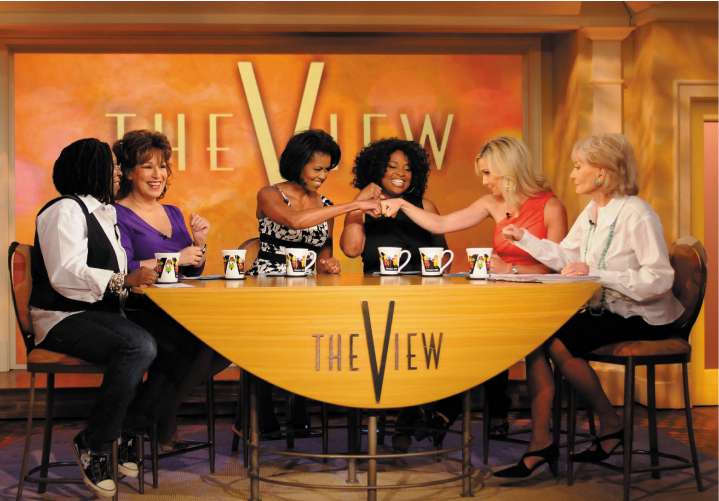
390,168
397,168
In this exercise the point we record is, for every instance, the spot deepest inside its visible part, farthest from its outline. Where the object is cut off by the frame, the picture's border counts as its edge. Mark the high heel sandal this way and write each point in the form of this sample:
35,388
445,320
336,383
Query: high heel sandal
595,453
549,455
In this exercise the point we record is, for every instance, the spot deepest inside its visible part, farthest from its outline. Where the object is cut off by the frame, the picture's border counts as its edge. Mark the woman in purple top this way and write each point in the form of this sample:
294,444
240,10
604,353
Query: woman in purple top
146,227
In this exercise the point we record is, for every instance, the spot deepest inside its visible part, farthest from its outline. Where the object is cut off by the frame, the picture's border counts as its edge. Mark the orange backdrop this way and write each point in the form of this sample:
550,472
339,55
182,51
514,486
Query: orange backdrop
454,103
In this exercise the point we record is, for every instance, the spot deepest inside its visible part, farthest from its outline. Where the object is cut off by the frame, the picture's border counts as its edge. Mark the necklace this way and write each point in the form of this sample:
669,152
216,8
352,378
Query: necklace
602,263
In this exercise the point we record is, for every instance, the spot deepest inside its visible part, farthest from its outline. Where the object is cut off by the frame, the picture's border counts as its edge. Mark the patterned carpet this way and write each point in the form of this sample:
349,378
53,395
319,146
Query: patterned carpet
187,477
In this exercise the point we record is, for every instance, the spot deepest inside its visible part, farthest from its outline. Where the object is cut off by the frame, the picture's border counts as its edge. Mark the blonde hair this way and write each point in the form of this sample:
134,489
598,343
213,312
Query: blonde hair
614,154
509,158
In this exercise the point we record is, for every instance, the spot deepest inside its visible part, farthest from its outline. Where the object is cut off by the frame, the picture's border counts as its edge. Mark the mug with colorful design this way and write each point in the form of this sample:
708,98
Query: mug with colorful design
479,261
234,263
167,267
299,261
389,260
431,259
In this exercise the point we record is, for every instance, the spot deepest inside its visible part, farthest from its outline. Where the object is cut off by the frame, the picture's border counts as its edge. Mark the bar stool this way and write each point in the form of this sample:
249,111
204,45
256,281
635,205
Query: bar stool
46,362
688,259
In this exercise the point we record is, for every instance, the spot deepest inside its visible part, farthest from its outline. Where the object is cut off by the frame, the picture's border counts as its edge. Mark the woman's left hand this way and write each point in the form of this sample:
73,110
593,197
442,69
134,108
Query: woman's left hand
498,265
329,265
575,269
200,228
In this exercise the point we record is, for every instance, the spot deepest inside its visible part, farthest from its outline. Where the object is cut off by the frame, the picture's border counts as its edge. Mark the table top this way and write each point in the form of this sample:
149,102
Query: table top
371,341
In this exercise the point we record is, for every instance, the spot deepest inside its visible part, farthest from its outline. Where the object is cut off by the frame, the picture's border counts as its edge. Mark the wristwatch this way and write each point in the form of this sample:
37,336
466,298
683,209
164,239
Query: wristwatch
515,271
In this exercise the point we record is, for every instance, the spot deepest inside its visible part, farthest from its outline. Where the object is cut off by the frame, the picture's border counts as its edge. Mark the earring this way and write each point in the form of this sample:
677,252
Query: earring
598,182
509,185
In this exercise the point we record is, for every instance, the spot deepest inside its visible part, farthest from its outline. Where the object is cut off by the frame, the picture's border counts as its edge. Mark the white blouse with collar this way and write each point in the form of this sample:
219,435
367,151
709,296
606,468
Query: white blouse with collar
636,275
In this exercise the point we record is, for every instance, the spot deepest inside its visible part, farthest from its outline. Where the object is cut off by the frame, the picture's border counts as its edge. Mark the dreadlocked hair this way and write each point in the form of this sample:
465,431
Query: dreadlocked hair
85,168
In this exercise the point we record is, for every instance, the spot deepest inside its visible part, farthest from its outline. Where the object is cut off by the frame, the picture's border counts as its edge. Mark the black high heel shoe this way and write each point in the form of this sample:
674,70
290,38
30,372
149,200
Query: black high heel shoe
595,453
549,455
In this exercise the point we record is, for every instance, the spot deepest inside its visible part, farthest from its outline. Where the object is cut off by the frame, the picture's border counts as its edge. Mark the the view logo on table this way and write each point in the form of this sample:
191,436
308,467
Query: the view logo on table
329,347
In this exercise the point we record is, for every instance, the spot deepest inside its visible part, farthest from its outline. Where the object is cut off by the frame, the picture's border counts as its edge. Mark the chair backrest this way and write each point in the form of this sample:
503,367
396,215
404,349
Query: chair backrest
19,261
688,258
252,246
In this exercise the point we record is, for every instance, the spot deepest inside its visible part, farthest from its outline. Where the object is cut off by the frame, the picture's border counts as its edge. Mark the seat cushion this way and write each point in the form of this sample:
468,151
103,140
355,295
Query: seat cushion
38,356
671,346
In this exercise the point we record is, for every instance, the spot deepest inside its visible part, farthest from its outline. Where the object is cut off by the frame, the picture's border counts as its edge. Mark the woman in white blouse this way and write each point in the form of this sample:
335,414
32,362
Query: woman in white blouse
618,238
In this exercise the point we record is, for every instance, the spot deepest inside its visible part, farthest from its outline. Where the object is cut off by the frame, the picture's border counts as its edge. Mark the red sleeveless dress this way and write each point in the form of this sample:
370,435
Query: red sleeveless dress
531,218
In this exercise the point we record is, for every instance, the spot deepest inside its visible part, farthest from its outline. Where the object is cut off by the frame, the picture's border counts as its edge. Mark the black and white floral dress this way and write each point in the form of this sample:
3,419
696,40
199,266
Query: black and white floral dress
274,237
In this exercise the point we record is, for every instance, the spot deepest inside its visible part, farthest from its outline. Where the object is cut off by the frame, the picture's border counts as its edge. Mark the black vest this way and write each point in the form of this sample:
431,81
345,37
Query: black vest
100,254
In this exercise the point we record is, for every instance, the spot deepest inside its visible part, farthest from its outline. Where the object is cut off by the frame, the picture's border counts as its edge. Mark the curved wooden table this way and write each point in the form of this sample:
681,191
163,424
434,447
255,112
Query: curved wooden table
368,341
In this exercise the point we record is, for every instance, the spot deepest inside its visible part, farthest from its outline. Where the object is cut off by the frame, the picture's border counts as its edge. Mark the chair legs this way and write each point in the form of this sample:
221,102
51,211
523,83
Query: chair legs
486,423
652,415
690,428
210,444
629,369
210,409
654,453
28,437
47,432
571,433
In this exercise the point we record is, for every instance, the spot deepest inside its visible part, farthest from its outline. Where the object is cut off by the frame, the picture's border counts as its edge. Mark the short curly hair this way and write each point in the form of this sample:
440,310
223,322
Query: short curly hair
133,149
299,151
371,163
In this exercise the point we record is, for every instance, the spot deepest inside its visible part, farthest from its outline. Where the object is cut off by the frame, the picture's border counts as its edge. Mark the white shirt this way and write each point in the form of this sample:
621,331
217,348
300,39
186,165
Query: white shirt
62,235
637,275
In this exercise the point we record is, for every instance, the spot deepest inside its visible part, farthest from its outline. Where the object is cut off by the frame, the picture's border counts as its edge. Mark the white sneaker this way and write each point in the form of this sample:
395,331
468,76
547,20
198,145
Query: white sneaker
95,468
127,460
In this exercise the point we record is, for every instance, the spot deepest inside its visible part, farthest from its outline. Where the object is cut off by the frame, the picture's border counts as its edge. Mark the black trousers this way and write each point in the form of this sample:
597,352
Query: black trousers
183,362
126,349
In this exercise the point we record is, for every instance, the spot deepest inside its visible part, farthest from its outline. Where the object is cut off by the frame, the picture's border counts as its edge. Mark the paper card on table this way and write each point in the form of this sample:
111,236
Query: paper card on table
541,278
178,285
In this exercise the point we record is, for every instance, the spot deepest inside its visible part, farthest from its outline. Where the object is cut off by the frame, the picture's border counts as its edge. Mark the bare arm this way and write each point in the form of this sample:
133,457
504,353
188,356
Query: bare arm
435,223
555,219
270,203
352,239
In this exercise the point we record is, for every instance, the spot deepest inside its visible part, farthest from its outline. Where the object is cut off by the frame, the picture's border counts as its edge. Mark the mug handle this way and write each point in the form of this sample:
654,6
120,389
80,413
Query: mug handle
449,261
406,261
311,262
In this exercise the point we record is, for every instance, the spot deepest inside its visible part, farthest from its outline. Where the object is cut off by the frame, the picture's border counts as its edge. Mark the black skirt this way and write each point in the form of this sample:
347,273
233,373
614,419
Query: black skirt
584,332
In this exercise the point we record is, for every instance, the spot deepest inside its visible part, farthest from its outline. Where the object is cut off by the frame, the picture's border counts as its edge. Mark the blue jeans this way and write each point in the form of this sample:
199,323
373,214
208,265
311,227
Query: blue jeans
124,348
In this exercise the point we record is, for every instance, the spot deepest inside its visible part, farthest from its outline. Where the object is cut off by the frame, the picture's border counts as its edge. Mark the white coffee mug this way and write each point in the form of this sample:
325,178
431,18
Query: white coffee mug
389,260
167,267
431,260
299,261
479,261
234,261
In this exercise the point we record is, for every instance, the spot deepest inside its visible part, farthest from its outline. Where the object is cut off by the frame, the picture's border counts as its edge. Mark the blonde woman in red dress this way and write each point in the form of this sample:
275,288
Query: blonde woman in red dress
520,196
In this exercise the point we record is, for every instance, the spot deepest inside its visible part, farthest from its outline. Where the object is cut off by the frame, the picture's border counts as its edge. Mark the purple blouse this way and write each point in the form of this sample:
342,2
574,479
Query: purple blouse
141,240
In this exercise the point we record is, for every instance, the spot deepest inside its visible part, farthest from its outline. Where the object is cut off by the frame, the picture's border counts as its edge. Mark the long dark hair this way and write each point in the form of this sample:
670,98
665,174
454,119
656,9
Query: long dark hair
85,168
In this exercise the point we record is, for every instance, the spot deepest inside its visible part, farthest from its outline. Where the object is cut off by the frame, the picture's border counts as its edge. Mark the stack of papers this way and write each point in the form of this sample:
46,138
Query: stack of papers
541,278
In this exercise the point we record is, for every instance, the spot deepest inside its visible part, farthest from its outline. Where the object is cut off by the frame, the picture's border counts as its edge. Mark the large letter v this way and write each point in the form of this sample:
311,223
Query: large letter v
377,375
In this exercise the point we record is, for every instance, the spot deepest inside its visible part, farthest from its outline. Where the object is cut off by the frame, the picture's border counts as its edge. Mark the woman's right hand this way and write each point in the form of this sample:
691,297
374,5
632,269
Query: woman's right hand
371,206
140,277
369,192
512,232
190,256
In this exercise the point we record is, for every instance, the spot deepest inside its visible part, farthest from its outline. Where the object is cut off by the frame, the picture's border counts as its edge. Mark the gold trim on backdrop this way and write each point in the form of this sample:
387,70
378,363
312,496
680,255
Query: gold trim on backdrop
7,204
684,92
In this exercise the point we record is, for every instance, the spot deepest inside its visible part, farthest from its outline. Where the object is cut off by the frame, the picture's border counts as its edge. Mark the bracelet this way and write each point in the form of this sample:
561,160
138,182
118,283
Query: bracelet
116,285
